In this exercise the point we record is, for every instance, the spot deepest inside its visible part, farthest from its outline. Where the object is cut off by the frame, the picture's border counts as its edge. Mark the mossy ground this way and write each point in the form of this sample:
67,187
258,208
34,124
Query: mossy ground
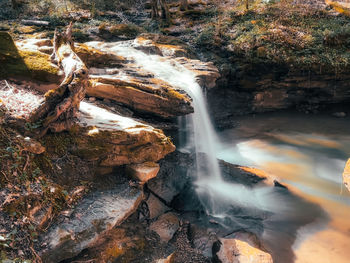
298,35
30,195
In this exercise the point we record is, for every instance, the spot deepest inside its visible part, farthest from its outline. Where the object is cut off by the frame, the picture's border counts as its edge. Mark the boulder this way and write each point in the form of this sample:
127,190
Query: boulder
172,177
112,140
166,226
346,175
143,171
156,207
237,251
97,213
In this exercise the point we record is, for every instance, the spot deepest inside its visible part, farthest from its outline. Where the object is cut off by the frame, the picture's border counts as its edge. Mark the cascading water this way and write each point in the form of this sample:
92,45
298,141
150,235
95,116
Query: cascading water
216,195
203,134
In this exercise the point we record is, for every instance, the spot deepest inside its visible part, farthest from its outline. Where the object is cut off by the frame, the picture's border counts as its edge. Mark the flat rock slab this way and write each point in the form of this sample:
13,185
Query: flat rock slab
113,140
96,214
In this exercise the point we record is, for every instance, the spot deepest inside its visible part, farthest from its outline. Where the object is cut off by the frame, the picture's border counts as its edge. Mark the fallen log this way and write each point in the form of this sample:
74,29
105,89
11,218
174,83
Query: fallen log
35,22
58,111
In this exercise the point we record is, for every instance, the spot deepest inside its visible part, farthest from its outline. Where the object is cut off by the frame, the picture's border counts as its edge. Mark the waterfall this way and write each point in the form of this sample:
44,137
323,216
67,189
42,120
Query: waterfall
216,195
203,135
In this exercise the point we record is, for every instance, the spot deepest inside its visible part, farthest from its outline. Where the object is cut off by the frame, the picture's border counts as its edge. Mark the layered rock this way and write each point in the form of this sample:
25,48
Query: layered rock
96,214
122,80
119,79
151,95
113,140
246,93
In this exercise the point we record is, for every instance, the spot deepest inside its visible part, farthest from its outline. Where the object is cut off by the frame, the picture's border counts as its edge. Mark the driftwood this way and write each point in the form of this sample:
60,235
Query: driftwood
160,10
35,22
60,107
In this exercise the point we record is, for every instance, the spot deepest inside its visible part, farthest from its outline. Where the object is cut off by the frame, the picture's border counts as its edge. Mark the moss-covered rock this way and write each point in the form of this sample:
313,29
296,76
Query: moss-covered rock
93,57
24,63
112,140
124,31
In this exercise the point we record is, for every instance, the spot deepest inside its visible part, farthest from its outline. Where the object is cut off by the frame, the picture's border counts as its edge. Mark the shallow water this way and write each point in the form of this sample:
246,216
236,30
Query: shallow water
308,154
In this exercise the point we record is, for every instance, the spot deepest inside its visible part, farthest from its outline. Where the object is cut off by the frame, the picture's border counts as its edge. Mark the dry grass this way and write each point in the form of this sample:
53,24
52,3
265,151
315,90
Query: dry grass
18,101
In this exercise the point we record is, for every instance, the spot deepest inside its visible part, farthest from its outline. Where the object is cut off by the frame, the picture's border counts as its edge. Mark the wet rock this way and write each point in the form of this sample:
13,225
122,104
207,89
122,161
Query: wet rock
143,172
234,250
94,215
172,176
111,140
205,72
166,226
346,175
156,207
184,251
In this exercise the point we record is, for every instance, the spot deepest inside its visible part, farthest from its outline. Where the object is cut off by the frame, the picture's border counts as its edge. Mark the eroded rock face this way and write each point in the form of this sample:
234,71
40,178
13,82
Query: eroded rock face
237,251
147,95
113,140
96,214
143,171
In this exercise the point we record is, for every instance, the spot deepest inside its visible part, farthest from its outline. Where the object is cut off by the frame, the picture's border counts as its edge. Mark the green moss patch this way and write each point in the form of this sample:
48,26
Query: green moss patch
22,63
